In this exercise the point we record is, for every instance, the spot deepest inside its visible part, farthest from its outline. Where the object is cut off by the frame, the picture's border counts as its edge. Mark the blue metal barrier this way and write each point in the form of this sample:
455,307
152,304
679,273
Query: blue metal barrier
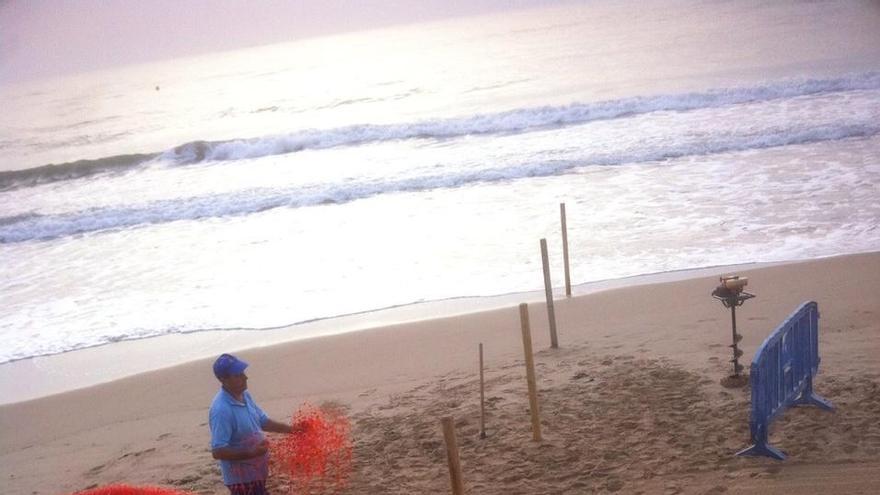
782,375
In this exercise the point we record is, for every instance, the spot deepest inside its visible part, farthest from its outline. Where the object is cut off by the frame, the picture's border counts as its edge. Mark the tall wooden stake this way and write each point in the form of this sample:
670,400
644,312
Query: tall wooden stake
452,456
530,371
482,397
565,250
548,291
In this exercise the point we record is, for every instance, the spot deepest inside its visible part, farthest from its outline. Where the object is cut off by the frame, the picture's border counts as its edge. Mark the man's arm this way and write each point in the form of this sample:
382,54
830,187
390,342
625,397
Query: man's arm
240,454
278,427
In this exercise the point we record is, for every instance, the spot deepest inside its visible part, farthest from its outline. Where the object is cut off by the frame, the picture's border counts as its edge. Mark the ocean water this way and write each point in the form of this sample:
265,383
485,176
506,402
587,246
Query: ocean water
299,181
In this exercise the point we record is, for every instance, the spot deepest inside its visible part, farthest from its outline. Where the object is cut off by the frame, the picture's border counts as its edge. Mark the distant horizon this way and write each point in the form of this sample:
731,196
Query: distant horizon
93,35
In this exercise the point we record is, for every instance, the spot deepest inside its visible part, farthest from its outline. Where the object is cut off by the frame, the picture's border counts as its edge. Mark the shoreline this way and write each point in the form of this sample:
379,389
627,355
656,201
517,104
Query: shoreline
42,376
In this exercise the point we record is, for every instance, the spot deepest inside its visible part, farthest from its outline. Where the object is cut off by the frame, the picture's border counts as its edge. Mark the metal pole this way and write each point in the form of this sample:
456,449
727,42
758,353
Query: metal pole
736,367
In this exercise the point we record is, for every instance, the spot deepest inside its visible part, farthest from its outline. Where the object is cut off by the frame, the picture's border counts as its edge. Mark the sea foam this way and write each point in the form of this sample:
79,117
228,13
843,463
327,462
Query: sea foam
27,227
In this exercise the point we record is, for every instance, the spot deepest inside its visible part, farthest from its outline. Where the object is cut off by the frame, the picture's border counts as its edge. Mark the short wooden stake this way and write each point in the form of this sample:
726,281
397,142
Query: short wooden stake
548,291
565,250
530,371
452,456
482,397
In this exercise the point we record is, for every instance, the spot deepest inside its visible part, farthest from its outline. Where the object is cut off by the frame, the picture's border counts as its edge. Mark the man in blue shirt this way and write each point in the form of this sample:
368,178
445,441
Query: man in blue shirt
237,426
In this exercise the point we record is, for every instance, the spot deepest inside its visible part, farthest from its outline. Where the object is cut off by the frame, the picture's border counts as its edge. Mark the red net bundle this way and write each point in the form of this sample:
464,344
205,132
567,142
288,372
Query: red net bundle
131,490
317,457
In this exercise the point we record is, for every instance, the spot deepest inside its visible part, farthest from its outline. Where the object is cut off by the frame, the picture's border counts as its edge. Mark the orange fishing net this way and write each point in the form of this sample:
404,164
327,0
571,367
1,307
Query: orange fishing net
131,490
317,457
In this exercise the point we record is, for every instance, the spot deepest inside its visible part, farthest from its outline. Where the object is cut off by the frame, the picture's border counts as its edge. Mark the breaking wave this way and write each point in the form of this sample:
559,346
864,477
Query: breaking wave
510,122
71,170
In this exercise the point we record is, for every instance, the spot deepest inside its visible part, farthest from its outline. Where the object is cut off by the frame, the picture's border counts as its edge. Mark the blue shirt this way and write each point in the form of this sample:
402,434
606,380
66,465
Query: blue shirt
238,425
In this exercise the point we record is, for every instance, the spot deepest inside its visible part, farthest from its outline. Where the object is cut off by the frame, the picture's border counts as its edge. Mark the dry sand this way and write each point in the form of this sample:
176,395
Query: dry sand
630,403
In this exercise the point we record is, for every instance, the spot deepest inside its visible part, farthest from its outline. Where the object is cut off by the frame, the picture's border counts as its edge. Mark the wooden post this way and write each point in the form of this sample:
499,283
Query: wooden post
565,250
530,371
548,291
452,456
482,397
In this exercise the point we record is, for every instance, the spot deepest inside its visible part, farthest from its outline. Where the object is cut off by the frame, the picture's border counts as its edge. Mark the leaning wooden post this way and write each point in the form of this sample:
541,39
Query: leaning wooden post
548,291
565,250
530,371
482,397
452,456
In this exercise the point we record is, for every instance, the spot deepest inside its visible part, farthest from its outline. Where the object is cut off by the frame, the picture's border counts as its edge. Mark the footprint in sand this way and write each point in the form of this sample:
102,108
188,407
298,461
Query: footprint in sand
186,480
97,469
580,375
613,484
367,392
138,453
773,470
716,489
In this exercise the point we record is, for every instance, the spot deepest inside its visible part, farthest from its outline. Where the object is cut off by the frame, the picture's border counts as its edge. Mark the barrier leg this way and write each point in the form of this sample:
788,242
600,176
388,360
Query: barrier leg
764,449
810,398
761,446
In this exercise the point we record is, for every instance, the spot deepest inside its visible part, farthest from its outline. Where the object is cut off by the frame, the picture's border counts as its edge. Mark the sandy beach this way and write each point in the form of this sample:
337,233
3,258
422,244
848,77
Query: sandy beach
631,402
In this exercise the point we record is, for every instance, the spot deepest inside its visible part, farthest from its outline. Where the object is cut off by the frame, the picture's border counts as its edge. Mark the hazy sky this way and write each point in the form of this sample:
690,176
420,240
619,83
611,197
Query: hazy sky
46,37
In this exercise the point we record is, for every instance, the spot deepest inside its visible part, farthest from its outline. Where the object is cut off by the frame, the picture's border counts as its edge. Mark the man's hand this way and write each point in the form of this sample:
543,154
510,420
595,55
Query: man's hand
301,427
260,449
277,427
